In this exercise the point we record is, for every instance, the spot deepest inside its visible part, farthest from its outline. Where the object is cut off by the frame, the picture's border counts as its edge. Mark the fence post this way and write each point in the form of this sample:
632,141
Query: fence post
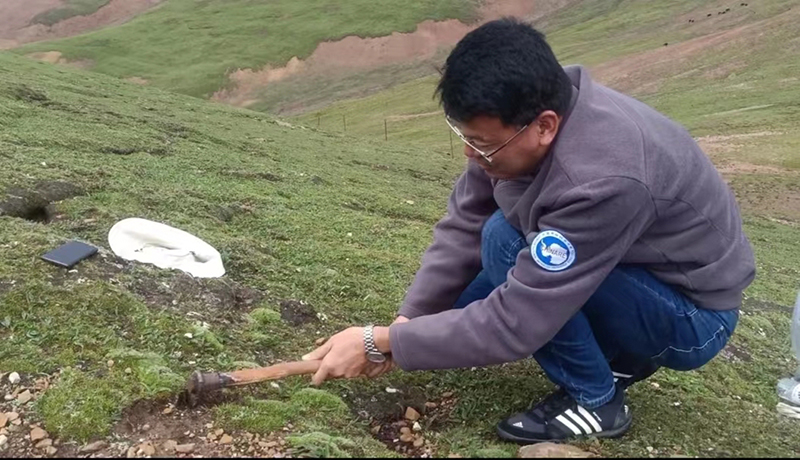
451,143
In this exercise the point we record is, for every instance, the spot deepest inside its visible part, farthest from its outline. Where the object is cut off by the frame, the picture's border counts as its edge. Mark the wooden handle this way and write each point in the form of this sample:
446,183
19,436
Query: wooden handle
274,372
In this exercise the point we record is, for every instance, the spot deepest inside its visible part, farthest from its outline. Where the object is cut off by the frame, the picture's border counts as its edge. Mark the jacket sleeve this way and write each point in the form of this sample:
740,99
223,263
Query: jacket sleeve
454,258
600,220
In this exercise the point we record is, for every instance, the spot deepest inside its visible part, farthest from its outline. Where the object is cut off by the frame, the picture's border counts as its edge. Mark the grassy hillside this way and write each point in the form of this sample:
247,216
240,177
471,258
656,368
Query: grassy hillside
187,46
333,221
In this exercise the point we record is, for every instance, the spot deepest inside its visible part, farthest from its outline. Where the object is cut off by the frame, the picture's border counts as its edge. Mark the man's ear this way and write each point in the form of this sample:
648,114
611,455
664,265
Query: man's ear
547,125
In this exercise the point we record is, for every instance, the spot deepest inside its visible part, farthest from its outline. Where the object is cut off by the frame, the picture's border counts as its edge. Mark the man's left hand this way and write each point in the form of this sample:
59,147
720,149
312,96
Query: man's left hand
343,355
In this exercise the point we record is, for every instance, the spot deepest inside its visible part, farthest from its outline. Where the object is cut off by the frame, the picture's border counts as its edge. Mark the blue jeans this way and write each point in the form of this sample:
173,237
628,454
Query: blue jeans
632,318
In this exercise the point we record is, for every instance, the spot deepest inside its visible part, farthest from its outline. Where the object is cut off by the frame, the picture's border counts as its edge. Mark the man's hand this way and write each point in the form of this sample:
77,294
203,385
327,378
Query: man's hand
342,356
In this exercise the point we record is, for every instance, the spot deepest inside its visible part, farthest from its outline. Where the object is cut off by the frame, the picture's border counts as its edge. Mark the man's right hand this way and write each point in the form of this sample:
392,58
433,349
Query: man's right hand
377,370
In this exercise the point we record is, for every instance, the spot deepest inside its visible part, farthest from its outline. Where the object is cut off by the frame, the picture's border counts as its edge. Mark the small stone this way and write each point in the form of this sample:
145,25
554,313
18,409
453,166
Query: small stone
185,448
168,410
51,450
24,397
145,427
13,378
169,445
37,434
147,448
391,390
320,341
407,437
128,370
649,449
226,439
376,429
3,439
17,423
282,442
211,437
94,446
191,435
44,443
3,419
405,430
209,425
110,363
8,397
431,405
655,385
12,416
219,431
412,414
417,426
419,442
270,445
251,449
131,452
275,385
552,450
453,456
448,394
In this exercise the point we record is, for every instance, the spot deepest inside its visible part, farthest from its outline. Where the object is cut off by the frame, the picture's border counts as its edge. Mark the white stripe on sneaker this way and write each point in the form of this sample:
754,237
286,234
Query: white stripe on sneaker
590,418
586,428
569,425
621,375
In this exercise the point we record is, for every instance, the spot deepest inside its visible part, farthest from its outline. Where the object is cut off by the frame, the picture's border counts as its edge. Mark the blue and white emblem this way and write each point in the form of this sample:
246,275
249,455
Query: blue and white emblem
551,251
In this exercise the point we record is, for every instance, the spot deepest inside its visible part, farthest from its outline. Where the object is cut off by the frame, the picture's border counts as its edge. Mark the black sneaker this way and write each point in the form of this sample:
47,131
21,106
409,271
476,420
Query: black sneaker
559,417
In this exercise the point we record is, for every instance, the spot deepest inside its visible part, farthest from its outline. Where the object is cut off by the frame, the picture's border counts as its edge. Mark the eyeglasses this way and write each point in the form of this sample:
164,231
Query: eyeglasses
484,155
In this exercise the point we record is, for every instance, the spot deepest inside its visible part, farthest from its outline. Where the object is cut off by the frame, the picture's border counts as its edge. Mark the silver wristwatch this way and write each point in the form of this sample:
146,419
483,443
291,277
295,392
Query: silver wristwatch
373,355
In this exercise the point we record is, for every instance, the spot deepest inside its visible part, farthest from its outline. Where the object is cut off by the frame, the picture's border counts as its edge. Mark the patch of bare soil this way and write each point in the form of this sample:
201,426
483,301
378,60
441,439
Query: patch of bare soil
643,73
401,417
55,57
15,17
354,53
37,204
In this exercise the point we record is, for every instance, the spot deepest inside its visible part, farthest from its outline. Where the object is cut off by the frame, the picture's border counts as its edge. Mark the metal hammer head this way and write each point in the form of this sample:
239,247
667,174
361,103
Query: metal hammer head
200,383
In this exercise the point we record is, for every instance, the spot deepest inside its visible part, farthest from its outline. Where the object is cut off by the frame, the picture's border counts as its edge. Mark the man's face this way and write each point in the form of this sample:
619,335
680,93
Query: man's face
518,157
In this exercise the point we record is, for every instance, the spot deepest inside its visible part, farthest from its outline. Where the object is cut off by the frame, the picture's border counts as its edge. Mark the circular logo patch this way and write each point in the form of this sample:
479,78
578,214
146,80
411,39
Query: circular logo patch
552,251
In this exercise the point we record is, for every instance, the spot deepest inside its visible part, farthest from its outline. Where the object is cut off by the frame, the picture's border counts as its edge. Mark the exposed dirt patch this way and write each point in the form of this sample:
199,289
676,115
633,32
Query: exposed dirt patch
255,175
36,204
15,17
736,353
356,53
297,313
217,301
55,57
138,80
387,414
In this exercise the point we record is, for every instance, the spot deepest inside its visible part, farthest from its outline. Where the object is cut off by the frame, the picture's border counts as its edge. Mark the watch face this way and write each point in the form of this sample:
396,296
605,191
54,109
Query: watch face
376,357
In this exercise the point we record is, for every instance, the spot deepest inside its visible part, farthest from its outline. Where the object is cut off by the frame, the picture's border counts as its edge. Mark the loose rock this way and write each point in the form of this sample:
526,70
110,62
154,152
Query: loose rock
376,429
169,445
24,397
145,427
552,450
3,419
44,443
131,452
219,432
147,448
8,397
419,442
226,439
167,411
407,437
3,439
185,448
412,414
51,450
37,434
431,405
94,446
13,378
448,394
417,426
12,416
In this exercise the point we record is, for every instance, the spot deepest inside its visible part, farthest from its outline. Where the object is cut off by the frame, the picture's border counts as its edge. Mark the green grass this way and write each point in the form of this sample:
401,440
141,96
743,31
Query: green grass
327,218
71,8
188,46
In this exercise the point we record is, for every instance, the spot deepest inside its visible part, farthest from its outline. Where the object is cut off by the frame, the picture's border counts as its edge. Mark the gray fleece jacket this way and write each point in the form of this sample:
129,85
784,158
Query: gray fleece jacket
621,184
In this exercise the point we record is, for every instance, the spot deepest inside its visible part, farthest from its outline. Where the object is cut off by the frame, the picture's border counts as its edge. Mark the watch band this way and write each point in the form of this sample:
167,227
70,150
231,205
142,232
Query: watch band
369,339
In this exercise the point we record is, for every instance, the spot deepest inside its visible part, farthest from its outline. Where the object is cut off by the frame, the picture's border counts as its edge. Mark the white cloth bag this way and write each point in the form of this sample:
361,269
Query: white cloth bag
165,247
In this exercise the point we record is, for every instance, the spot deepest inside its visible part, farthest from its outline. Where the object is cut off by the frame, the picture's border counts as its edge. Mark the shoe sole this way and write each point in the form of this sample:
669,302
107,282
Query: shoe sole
603,434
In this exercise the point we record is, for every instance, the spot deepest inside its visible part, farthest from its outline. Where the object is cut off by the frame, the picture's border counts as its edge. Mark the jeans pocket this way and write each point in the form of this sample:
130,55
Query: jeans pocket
698,340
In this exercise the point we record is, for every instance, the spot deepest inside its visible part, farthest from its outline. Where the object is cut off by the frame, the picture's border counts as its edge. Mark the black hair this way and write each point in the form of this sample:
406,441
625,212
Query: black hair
504,69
